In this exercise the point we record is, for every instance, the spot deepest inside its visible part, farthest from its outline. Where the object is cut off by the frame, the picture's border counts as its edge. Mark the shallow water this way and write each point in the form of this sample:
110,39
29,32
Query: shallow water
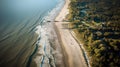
19,21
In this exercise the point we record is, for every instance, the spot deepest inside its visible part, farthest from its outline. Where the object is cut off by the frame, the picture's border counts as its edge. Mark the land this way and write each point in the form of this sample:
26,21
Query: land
95,24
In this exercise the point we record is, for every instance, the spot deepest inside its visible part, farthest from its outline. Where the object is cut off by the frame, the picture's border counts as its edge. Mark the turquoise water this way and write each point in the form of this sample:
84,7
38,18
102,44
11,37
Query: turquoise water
18,22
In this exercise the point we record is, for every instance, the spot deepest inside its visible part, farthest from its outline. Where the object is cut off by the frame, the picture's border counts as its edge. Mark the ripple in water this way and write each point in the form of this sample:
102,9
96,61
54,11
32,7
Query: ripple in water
18,21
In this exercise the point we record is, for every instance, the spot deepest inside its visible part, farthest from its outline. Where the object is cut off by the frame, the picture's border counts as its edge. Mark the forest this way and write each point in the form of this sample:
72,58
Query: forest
96,24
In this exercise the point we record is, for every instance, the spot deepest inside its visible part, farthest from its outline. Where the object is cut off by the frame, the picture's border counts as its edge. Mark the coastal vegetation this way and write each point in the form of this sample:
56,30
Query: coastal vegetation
96,24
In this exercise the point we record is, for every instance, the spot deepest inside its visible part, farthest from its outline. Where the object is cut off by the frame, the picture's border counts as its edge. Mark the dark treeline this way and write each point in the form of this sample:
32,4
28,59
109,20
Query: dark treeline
97,25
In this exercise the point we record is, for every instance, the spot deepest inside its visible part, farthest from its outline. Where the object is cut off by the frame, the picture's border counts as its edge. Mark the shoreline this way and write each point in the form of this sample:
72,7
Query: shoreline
49,51
69,60
66,50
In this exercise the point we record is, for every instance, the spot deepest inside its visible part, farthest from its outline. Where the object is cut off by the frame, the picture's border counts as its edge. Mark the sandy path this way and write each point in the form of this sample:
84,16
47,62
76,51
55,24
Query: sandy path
73,53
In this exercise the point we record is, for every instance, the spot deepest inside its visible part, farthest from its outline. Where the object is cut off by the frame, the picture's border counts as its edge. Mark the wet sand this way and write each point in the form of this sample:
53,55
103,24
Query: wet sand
49,53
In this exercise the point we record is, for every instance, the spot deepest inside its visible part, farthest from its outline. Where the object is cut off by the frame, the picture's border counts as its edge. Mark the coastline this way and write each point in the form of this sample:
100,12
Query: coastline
58,48
73,55
49,52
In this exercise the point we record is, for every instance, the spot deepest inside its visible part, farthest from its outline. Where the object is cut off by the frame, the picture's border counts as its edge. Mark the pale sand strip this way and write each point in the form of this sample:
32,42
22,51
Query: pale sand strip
71,50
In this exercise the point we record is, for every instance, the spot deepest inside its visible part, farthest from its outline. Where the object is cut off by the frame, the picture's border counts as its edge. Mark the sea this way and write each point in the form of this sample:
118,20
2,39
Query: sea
21,22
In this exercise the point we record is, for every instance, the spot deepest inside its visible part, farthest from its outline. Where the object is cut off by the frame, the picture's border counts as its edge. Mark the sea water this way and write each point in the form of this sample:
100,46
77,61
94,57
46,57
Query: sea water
20,25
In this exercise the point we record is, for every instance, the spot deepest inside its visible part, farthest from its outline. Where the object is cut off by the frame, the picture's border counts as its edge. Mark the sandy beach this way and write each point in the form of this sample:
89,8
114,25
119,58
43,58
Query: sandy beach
73,55
57,47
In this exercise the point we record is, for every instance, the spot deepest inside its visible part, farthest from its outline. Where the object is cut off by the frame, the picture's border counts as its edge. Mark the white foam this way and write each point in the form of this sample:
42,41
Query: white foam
38,29
51,15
